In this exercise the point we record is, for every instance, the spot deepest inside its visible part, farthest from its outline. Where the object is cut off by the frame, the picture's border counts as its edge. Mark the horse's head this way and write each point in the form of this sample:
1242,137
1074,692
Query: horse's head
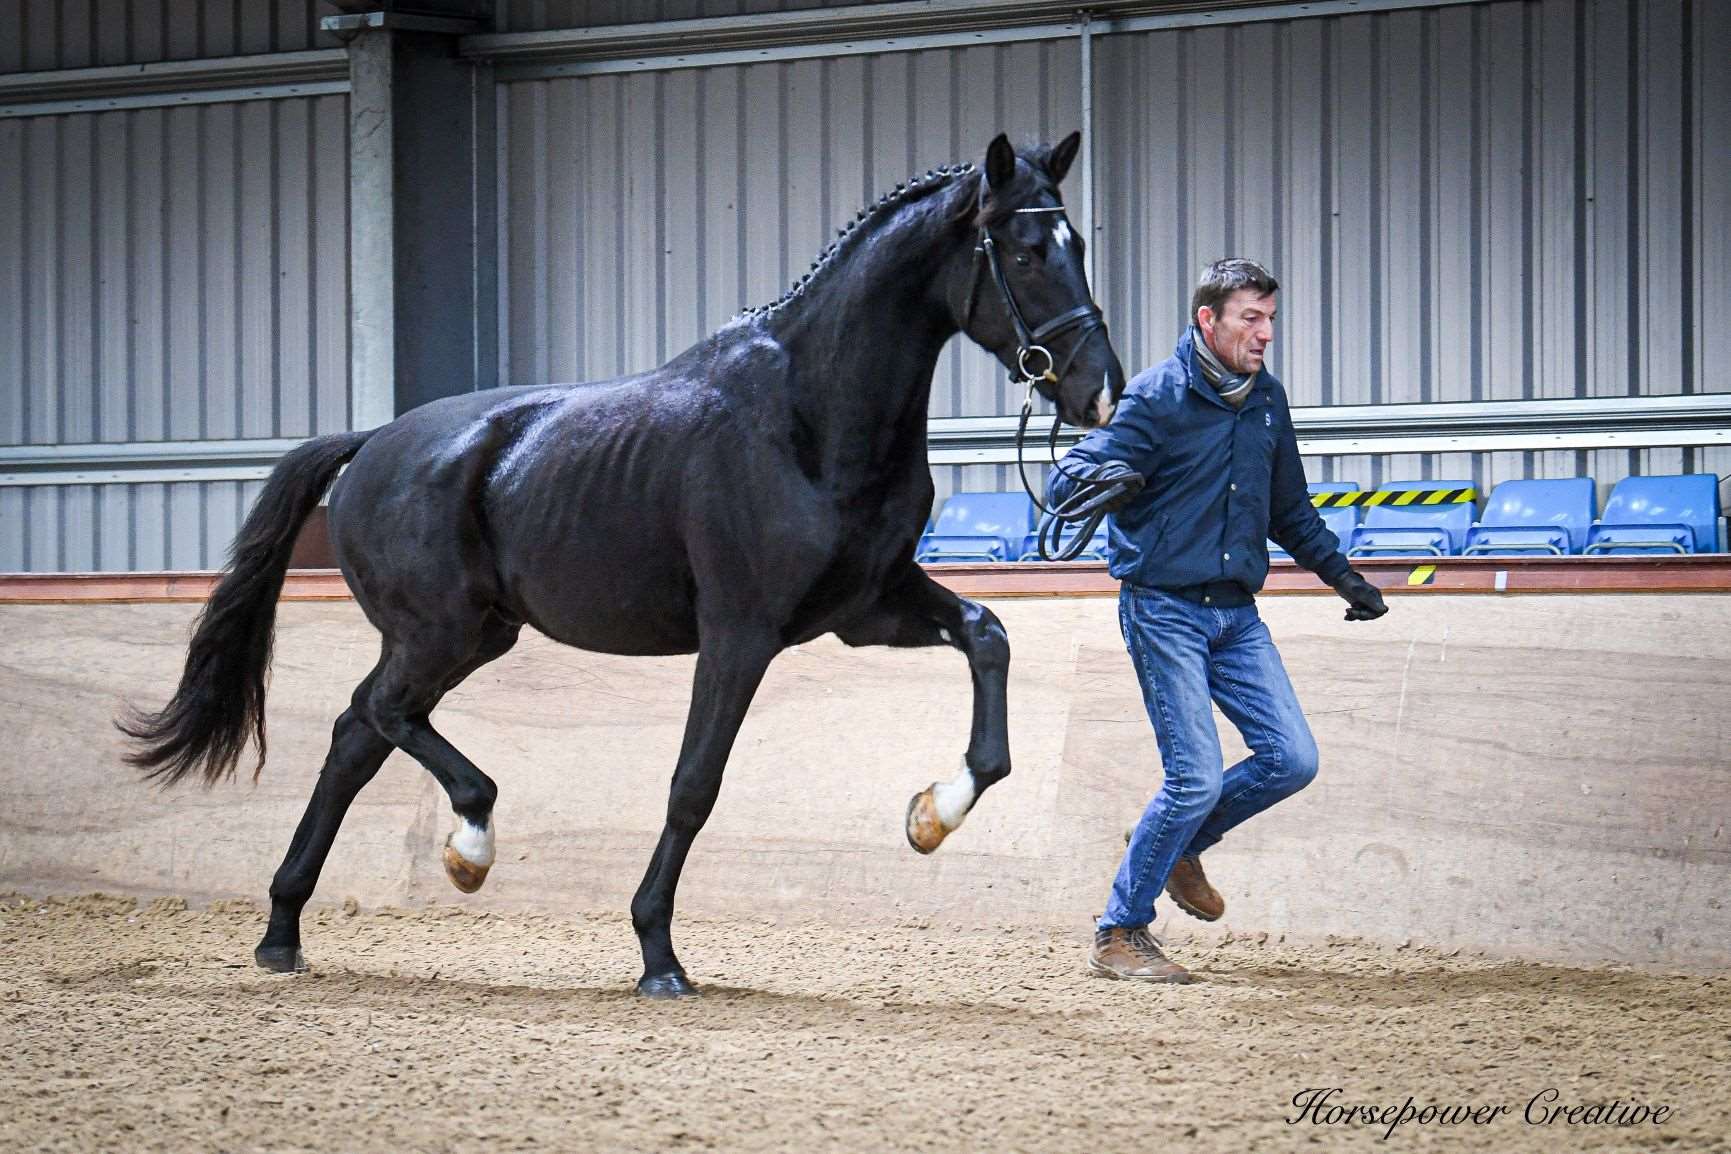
1023,290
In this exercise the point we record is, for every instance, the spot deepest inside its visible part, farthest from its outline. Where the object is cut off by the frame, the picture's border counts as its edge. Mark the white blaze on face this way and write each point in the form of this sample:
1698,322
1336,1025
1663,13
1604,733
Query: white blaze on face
953,799
1061,233
1103,406
474,842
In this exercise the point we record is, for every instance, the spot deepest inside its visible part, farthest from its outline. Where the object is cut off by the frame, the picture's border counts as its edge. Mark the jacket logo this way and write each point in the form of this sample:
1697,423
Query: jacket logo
1268,420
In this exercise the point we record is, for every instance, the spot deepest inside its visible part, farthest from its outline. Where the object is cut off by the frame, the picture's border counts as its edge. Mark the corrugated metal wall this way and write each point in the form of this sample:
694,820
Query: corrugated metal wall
167,274
1478,202
639,212
540,15
174,273
38,35
78,528
1482,202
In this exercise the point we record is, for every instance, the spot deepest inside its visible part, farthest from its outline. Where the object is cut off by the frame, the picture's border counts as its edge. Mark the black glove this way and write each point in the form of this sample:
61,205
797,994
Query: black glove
1364,601
1126,484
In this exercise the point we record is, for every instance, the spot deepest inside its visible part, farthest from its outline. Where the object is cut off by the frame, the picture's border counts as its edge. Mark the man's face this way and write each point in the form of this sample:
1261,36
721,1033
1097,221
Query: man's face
1242,331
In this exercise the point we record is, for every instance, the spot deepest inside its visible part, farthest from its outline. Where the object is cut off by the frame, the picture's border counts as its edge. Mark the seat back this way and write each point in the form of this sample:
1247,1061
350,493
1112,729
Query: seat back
1006,516
1565,504
1416,521
1687,500
1341,520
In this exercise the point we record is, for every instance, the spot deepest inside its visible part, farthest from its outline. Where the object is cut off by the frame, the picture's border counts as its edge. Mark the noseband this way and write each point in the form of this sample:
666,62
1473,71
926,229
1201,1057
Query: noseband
1097,484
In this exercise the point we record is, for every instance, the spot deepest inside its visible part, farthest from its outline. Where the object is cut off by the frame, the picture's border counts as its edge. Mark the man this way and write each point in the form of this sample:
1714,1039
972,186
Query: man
1209,431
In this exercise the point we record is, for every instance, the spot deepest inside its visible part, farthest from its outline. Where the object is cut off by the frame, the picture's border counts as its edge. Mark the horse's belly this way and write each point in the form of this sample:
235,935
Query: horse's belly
615,594
634,611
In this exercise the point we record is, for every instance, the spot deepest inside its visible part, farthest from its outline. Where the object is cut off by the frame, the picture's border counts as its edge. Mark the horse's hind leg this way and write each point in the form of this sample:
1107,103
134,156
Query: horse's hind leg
917,611
358,749
728,673
355,755
416,674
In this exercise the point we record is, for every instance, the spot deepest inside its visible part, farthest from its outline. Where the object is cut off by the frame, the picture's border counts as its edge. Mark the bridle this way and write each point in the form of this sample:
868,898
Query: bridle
1097,484
1085,318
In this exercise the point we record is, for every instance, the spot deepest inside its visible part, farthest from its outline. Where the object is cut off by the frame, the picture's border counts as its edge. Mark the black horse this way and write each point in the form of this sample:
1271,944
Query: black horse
765,487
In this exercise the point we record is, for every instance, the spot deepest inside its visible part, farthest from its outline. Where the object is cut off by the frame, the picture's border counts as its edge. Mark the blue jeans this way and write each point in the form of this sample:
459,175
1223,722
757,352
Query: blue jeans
1186,655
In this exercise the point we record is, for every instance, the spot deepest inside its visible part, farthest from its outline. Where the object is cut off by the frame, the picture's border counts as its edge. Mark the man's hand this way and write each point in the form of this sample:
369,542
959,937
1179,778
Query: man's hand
1364,602
1125,484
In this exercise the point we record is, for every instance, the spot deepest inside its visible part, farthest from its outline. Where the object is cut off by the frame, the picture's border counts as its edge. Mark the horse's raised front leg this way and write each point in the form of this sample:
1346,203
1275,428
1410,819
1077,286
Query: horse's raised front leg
729,670
917,611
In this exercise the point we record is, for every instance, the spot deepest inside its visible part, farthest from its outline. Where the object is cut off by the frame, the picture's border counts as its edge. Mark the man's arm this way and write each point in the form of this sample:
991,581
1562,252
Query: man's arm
1131,437
1298,528
1293,521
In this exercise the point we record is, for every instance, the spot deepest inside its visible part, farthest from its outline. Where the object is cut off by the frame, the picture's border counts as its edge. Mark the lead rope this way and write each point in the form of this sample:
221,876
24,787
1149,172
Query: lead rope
1097,486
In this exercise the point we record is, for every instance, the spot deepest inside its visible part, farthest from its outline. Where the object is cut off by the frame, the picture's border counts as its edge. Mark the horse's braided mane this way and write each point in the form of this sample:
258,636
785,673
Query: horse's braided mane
900,195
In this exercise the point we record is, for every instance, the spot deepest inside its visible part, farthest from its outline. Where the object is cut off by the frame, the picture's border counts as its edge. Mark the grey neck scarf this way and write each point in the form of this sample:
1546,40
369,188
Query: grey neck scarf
1231,387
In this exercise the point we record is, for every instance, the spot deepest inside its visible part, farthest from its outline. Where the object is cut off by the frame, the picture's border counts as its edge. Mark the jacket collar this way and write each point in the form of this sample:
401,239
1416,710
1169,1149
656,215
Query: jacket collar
1198,384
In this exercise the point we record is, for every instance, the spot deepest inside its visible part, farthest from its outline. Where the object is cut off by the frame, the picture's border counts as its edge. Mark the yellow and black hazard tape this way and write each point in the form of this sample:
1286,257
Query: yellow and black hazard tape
1394,497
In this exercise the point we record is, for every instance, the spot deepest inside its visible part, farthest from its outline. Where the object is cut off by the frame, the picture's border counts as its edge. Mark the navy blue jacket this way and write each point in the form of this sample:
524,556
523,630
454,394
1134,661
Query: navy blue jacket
1221,482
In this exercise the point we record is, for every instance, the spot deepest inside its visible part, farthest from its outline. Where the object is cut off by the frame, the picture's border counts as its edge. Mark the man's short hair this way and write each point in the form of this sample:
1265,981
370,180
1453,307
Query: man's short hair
1225,277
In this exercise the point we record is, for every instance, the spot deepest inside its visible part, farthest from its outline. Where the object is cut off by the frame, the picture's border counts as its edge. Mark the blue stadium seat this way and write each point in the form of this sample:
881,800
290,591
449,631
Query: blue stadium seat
1422,526
1671,514
1341,520
1549,517
974,526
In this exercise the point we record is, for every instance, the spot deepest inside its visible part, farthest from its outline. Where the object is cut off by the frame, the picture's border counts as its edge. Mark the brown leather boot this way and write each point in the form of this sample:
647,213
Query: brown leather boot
1131,954
1188,886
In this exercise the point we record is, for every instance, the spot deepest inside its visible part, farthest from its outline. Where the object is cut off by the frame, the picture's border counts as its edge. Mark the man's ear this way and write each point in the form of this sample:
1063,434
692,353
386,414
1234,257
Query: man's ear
1000,162
1058,164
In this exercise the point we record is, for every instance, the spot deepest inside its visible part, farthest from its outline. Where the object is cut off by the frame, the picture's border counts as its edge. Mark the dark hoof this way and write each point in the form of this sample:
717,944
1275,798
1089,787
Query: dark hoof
280,959
666,986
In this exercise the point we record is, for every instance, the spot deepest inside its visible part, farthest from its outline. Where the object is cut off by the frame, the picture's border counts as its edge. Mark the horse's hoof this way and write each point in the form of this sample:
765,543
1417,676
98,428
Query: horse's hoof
464,874
666,987
280,959
925,830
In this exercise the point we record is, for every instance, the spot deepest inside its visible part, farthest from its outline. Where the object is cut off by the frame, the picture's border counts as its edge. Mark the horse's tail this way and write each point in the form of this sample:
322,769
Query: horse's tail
220,700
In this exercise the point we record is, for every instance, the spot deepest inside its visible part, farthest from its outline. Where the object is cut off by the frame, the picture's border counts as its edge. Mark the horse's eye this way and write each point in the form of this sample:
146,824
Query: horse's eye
1022,259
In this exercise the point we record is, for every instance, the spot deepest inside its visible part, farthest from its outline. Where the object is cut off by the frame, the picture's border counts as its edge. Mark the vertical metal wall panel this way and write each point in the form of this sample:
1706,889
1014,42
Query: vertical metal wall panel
14,277
40,35
1473,202
1559,179
1614,338
174,273
1711,148
1663,96
641,211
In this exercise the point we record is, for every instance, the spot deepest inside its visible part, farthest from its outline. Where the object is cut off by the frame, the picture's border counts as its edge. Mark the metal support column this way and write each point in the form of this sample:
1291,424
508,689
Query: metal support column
418,111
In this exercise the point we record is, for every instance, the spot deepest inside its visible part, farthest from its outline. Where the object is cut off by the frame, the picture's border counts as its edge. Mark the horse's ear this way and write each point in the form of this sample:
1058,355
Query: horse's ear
1000,162
1058,163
